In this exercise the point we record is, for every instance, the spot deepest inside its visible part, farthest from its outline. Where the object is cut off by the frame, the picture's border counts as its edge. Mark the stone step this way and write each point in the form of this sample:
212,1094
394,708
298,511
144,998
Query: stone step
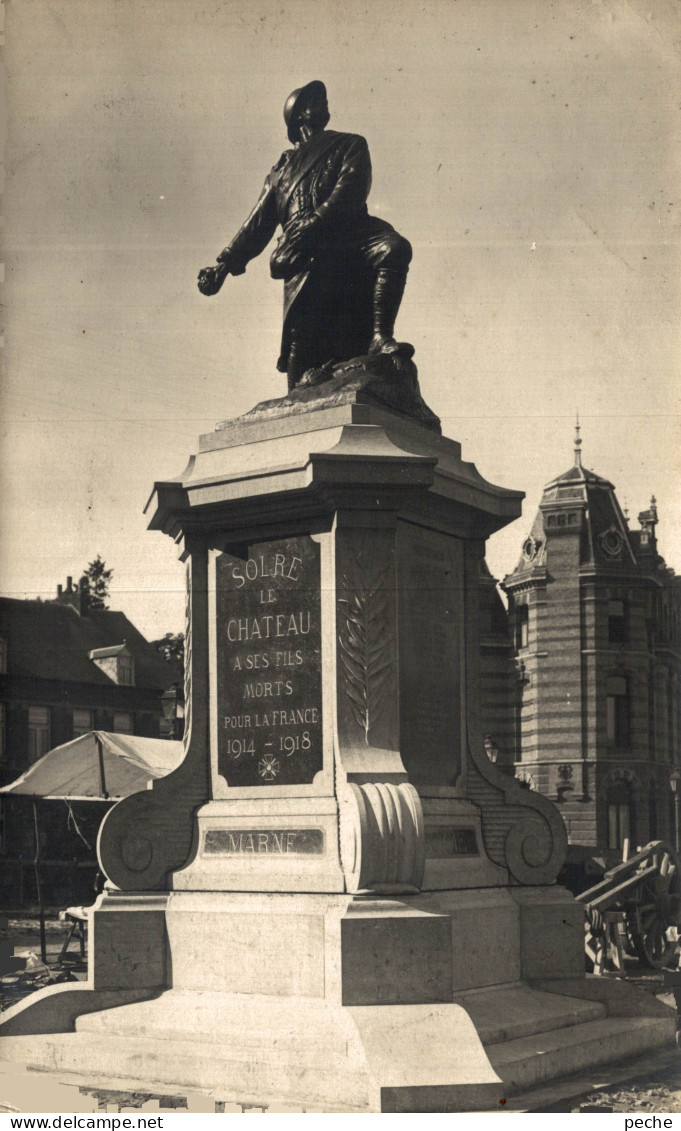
252,1065
507,1012
500,1013
528,1062
296,1027
228,1073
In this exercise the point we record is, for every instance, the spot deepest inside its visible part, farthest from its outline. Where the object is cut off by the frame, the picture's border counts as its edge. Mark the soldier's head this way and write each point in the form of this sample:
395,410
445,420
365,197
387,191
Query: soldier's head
306,106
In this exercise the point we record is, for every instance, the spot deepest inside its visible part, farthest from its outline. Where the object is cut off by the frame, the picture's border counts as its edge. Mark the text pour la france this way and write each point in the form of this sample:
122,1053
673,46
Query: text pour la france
305,715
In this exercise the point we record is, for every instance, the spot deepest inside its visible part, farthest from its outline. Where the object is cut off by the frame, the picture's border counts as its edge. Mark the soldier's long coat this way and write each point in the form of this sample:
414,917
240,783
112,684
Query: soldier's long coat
331,175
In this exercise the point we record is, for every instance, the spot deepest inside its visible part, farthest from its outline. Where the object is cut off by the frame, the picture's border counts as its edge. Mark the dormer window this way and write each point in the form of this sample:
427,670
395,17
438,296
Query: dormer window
530,549
117,663
612,542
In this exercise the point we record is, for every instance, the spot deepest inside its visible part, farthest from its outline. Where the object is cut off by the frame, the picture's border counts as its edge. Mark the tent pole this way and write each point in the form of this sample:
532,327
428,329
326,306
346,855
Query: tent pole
39,889
102,778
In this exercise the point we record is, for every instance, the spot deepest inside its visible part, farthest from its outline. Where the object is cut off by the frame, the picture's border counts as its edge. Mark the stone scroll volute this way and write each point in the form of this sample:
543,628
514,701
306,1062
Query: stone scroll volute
522,830
149,835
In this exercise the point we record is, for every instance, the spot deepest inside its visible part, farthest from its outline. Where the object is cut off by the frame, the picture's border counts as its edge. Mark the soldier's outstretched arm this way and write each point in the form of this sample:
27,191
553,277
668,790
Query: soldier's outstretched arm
252,238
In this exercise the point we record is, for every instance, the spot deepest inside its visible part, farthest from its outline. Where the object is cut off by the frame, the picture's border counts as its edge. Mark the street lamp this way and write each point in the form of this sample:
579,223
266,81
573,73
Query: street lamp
491,748
674,779
172,709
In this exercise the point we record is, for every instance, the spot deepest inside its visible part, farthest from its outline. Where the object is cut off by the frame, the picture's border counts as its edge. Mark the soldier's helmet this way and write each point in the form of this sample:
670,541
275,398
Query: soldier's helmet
290,106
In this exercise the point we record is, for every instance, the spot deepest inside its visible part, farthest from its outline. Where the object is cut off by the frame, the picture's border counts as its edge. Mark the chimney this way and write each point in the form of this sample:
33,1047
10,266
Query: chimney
84,593
71,596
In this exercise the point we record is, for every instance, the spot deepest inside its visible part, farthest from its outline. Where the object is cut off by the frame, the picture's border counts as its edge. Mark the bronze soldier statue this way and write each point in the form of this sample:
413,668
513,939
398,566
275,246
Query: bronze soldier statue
344,271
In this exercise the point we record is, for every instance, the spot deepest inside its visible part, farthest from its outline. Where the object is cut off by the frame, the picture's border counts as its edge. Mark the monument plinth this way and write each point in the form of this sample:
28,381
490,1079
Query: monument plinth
336,899
338,552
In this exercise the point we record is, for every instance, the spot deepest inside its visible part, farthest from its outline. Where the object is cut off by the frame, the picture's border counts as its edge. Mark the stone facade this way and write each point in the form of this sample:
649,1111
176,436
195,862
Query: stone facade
595,617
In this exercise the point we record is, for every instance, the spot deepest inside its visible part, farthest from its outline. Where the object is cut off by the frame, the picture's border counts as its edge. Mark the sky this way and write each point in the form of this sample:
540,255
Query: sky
528,149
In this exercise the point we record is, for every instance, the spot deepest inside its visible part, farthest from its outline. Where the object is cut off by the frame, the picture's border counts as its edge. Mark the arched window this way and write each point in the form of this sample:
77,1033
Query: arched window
620,814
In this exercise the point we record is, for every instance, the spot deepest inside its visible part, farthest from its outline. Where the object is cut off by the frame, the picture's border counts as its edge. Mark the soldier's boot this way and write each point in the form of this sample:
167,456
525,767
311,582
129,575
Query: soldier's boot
388,290
301,358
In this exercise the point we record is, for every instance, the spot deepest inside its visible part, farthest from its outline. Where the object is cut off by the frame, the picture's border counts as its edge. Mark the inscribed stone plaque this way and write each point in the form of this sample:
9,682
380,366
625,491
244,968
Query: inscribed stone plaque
430,579
269,664
259,842
444,842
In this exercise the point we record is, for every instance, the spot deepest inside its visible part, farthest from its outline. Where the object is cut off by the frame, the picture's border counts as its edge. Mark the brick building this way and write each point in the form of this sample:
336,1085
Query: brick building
595,615
65,669
497,675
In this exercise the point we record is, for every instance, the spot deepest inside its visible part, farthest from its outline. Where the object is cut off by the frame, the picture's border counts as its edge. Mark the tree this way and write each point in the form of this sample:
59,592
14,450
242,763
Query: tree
95,582
171,647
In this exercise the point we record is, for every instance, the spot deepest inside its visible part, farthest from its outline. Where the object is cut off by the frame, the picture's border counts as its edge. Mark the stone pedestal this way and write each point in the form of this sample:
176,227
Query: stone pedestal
343,895
333,734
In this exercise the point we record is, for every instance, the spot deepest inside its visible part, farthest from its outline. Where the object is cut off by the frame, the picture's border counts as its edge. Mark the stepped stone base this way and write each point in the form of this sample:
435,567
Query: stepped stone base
248,1049
370,1005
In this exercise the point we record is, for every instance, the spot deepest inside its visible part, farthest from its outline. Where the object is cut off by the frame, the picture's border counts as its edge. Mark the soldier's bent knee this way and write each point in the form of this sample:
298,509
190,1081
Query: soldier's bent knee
397,253
403,251
389,250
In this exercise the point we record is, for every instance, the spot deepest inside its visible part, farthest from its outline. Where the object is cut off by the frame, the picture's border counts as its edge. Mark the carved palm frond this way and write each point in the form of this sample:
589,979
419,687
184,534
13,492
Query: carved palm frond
365,644
188,654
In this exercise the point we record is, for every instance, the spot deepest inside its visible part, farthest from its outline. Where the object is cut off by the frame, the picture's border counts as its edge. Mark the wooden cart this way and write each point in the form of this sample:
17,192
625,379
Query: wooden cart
631,910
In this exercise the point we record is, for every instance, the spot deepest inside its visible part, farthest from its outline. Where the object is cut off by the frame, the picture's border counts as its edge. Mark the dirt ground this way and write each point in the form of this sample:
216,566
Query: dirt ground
658,1092
21,968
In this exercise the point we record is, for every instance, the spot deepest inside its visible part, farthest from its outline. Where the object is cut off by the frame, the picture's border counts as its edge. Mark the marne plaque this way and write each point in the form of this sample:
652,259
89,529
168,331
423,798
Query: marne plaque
269,664
265,842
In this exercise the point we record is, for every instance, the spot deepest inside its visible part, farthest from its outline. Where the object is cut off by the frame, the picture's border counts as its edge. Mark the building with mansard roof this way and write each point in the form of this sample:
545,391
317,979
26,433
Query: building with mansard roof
67,668
595,615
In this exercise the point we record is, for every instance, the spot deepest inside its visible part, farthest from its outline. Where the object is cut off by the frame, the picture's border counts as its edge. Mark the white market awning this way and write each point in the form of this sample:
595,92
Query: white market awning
98,766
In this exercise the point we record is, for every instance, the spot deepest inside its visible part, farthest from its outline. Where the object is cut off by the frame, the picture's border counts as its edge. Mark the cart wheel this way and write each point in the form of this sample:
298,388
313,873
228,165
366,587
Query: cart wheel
654,907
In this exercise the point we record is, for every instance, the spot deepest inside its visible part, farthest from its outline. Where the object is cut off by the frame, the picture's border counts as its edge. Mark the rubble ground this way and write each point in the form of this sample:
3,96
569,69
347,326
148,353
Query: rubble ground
658,1092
